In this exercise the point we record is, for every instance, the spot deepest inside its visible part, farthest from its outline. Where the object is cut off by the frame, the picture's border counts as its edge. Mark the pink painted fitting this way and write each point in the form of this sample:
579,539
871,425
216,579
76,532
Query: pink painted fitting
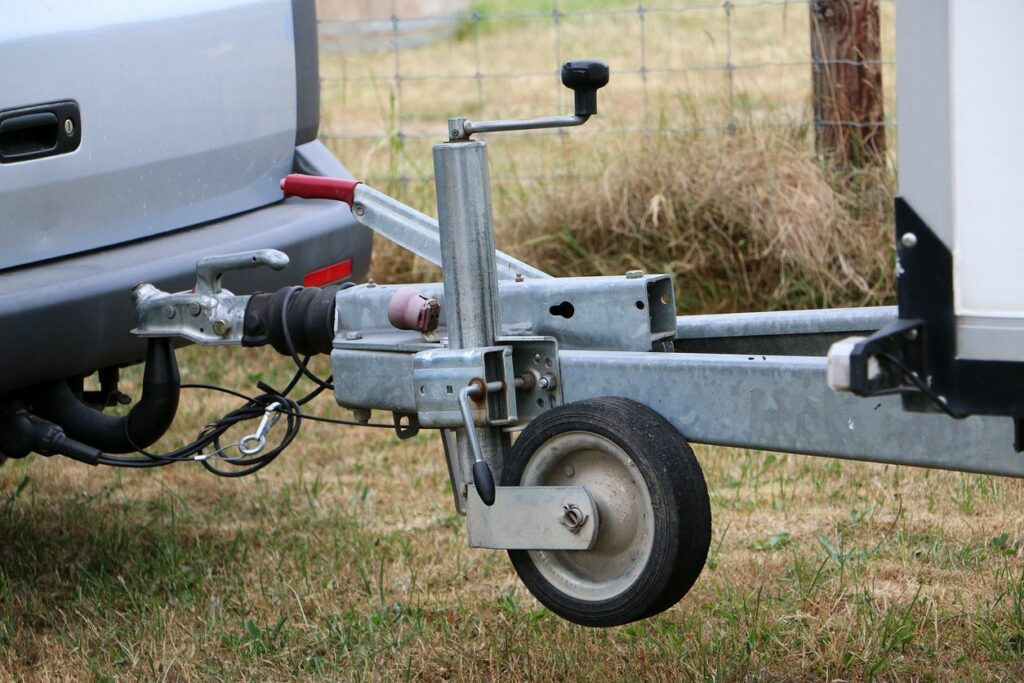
410,310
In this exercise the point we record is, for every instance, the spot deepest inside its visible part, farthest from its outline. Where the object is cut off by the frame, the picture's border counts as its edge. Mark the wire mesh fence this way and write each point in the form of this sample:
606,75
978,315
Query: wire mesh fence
679,67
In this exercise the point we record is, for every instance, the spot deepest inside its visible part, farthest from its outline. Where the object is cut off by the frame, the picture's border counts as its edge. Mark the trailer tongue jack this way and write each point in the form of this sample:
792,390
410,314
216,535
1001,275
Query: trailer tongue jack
599,501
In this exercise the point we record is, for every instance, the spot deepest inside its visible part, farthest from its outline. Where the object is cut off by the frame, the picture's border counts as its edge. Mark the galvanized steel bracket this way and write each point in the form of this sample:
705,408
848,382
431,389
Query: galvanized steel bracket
534,518
440,374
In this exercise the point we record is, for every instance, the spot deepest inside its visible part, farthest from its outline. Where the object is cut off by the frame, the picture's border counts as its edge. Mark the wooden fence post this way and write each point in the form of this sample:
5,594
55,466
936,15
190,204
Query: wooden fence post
847,78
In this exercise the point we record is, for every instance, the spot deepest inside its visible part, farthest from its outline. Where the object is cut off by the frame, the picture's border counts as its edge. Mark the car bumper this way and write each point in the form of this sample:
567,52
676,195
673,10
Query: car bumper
72,316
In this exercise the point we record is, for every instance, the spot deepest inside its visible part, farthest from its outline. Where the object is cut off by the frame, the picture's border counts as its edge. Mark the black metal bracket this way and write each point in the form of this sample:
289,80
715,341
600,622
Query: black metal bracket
872,374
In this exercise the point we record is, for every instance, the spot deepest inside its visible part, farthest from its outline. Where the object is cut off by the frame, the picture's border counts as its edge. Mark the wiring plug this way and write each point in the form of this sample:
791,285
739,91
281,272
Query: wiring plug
21,433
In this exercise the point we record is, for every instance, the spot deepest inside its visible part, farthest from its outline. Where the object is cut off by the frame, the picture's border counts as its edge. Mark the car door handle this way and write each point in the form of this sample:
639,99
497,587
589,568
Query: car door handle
40,130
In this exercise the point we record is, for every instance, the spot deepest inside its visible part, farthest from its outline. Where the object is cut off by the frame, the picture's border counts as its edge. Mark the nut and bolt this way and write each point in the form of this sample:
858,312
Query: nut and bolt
170,312
194,308
634,274
909,240
361,415
352,336
370,283
573,517
519,277
221,327
547,382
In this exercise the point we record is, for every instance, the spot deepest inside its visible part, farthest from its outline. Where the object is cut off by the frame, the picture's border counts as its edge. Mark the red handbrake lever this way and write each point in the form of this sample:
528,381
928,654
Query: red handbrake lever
317,187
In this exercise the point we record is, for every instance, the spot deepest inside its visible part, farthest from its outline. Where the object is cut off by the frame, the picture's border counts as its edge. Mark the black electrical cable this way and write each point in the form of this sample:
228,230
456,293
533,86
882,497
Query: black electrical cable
253,408
921,385
210,435
305,416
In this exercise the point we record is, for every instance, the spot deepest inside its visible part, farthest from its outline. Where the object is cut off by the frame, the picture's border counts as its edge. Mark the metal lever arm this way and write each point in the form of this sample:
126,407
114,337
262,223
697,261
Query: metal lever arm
210,269
391,219
462,129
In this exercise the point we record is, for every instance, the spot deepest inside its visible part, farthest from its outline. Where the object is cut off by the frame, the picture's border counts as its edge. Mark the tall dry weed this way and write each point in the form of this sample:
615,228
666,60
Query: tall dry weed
751,221
743,222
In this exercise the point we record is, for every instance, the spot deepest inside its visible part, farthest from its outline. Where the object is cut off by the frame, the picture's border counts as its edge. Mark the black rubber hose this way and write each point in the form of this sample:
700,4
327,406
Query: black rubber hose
308,312
148,420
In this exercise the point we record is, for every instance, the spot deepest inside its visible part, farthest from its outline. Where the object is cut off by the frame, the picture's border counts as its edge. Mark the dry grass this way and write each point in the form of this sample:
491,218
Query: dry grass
750,221
344,560
746,221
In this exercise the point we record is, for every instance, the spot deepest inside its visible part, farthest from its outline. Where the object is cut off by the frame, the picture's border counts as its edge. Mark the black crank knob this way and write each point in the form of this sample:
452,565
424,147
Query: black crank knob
584,77
483,480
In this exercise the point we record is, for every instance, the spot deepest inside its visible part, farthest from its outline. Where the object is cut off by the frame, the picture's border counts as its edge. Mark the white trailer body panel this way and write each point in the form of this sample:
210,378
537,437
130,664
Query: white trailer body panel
961,152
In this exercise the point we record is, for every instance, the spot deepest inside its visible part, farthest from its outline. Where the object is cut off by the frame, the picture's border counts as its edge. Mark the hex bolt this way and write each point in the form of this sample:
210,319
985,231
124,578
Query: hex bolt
634,274
370,283
194,308
909,240
221,327
547,382
519,277
69,127
170,312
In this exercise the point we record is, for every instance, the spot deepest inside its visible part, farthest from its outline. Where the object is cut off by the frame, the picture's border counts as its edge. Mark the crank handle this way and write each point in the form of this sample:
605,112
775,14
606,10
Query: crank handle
483,480
584,77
